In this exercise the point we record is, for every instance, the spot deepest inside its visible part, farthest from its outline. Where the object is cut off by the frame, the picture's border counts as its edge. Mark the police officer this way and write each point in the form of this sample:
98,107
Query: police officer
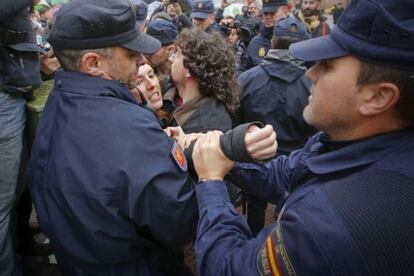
350,189
273,10
111,190
203,17
166,32
19,76
276,92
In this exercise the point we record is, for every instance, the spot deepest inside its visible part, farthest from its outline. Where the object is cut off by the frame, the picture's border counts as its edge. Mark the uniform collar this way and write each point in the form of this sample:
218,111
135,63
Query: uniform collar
278,63
266,32
80,83
357,154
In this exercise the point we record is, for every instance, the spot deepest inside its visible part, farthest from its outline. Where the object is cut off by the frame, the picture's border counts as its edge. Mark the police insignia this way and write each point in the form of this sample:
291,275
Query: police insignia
262,52
273,259
200,5
179,158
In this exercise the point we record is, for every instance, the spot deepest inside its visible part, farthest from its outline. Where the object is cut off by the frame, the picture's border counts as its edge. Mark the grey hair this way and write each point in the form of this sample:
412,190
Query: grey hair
70,59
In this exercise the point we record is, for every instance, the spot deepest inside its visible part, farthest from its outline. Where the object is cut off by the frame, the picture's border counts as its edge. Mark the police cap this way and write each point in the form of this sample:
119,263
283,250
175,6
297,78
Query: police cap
165,31
141,9
273,5
94,24
290,27
202,8
377,31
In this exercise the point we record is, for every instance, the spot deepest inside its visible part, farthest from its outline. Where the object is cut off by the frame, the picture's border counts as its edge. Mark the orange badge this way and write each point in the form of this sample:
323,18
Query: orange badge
179,157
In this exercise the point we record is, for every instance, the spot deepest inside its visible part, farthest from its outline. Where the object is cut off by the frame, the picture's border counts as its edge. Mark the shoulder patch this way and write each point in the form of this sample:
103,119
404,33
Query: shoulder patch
261,52
179,157
273,259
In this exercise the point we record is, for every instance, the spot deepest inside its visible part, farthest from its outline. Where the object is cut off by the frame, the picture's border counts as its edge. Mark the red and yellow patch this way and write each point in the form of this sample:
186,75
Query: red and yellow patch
273,259
179,157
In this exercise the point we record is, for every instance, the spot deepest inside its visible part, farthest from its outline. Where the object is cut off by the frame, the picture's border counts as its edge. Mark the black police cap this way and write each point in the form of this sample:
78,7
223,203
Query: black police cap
94,24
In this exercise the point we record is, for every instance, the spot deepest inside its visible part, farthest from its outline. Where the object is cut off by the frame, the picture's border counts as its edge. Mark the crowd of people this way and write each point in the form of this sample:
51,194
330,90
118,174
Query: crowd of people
163,115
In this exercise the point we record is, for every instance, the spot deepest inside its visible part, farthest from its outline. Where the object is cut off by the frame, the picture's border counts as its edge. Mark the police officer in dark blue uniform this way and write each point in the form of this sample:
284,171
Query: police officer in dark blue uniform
19,76
203,16
276,92
111,190
272,11
348,193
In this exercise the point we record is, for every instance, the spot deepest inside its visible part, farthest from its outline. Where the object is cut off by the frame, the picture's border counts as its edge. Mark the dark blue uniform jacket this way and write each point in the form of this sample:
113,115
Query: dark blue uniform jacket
257,49
349,212
276,92
109,189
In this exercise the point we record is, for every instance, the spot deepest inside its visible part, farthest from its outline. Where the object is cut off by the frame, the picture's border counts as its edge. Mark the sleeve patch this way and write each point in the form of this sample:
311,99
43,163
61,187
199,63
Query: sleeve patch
273,259
179,157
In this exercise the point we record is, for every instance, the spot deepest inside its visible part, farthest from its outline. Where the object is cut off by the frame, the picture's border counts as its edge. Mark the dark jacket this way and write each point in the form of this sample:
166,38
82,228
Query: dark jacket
347,211
256,50
19,66
276,92
111,190
202,114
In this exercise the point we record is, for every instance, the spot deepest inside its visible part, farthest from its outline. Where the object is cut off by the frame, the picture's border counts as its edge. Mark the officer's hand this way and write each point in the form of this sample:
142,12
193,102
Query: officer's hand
261,143
208,159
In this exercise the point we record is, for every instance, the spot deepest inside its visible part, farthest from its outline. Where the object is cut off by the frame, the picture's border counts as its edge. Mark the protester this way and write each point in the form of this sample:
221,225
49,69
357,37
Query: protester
347,195
255,8
202,71
178,17
276,92
310,15
148,84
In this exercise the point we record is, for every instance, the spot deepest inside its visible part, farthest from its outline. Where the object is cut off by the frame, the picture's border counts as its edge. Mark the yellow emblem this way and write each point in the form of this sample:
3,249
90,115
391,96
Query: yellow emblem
262,52
200,5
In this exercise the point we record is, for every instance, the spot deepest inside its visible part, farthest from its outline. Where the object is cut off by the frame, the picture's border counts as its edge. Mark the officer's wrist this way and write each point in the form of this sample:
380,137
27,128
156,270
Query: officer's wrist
206,179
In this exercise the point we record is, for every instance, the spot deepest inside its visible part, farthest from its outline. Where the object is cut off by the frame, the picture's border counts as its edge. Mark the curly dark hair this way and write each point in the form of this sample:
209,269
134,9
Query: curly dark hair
209,59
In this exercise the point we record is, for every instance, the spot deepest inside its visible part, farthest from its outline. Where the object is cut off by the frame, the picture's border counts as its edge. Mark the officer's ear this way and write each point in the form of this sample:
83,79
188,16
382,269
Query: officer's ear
91,63
379,98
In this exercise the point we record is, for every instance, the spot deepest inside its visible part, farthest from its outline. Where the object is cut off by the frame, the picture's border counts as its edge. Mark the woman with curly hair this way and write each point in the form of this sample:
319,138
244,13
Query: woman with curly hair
202,70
